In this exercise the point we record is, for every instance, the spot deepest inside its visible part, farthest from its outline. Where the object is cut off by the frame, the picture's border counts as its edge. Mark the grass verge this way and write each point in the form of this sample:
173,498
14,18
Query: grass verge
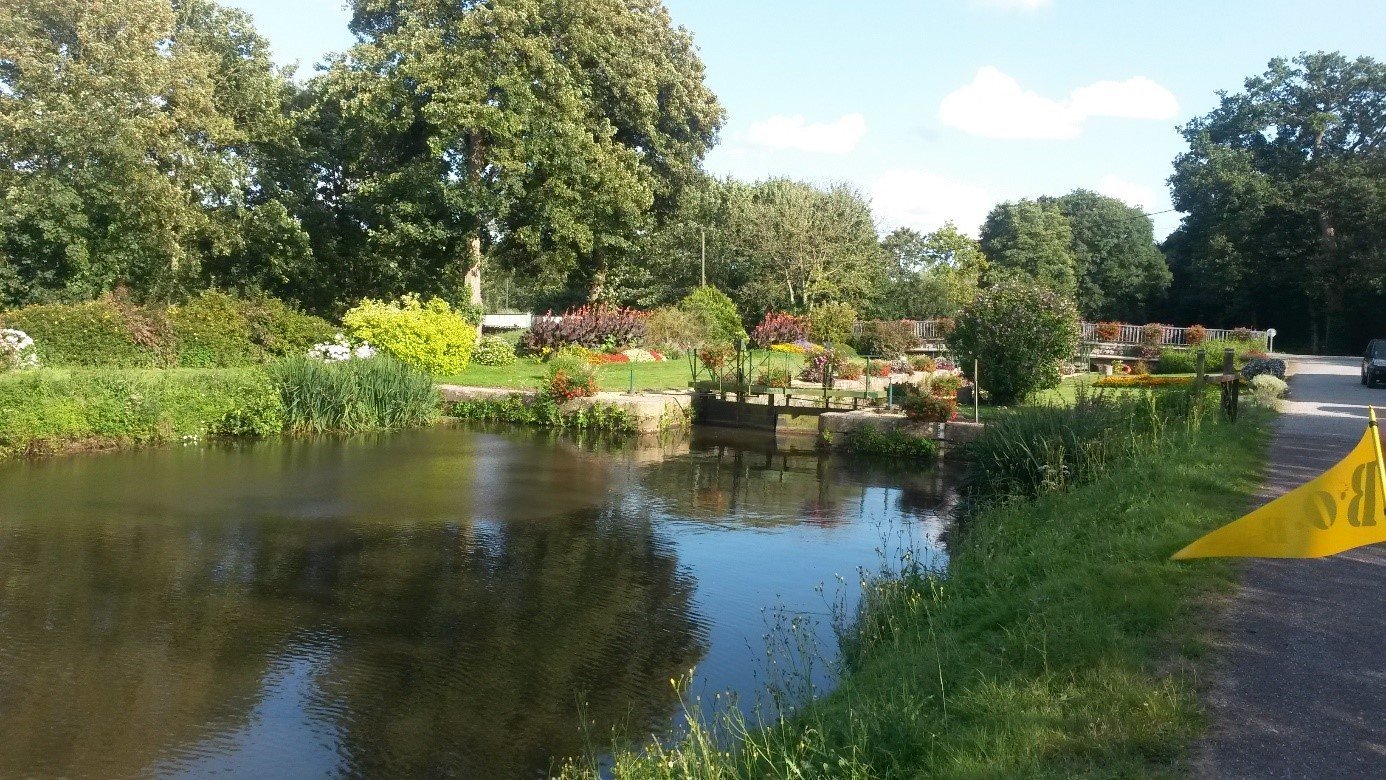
1062,642
50,411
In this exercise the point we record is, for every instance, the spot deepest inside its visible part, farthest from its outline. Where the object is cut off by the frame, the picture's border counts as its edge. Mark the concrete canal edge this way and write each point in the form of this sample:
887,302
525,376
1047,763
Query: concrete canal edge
652,412
835,428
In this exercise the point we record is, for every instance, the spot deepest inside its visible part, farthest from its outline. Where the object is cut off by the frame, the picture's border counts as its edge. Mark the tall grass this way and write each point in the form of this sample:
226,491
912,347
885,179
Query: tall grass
1029,451
1061,642
353,395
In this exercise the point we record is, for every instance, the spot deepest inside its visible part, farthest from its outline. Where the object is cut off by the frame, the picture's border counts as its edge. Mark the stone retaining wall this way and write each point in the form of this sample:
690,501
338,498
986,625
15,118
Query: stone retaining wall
834,428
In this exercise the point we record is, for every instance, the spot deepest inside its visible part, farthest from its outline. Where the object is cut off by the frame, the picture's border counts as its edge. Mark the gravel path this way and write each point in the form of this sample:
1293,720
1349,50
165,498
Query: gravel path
1300,687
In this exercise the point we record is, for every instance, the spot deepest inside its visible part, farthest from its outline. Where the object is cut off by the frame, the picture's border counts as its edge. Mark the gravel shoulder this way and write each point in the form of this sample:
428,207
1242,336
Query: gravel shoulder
1299,689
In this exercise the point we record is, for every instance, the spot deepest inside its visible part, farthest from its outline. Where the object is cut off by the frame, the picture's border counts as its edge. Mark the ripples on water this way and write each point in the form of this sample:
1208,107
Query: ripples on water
446,602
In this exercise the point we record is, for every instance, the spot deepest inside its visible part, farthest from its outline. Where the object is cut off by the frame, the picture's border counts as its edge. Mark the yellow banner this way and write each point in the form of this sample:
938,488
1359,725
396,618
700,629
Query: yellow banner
1341,509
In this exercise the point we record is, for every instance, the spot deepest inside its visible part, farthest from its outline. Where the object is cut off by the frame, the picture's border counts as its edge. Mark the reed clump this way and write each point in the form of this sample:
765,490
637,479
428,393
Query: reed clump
353,395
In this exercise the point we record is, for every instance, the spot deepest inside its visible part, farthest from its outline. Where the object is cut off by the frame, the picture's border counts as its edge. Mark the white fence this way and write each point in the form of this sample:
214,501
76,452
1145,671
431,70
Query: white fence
507,321
1127,335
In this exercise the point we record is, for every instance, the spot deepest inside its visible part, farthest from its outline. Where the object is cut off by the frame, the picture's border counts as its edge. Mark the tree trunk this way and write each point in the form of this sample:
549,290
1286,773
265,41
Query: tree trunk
472,263
1333,288
472,268
1313,328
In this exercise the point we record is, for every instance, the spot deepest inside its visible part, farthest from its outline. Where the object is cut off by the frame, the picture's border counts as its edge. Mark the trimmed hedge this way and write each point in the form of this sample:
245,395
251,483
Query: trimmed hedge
211,330
95,333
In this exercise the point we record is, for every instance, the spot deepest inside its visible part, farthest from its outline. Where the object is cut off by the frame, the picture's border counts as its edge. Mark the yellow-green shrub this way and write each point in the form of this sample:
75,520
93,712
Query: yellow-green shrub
429,336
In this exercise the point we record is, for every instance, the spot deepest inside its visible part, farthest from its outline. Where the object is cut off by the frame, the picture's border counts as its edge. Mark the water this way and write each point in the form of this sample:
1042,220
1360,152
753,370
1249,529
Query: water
443,602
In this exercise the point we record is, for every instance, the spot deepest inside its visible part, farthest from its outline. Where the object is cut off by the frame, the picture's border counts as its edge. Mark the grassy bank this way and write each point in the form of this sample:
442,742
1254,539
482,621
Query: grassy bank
55,410
1060,643
50,411
544,412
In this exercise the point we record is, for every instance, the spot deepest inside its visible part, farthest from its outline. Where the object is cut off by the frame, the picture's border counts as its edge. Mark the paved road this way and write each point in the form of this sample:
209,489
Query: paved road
1300,690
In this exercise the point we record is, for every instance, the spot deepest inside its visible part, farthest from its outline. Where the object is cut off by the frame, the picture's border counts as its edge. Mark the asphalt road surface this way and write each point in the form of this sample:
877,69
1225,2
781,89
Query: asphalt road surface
1299,689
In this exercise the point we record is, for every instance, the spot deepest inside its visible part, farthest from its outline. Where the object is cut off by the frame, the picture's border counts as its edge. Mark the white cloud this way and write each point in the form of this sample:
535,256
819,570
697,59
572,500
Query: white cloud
994,105
1134,98
795,132
924,201
1014,5
1132,193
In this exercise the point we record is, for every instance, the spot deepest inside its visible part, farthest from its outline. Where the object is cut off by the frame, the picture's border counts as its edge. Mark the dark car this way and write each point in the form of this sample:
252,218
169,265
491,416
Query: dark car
1374,362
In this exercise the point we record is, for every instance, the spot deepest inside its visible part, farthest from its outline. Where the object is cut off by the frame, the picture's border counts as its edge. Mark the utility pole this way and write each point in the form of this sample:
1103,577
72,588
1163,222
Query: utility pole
702,232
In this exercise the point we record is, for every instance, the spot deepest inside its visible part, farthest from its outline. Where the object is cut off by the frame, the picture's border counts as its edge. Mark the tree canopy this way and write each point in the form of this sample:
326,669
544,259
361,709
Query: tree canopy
130,135
932,275
1284,186
1031,239
549,132
1121,271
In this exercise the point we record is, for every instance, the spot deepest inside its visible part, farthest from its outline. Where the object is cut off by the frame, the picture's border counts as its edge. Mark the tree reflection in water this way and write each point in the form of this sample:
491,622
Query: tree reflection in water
443,602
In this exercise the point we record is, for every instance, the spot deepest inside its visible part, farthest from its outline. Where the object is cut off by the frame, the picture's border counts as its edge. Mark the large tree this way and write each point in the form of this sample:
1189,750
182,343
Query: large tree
1032,240
791,246
933,275
130,139
1284,186
551,132
1121,272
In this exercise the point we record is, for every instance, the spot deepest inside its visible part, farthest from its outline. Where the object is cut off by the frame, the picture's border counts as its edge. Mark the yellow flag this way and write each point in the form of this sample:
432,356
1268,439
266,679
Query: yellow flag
1343,508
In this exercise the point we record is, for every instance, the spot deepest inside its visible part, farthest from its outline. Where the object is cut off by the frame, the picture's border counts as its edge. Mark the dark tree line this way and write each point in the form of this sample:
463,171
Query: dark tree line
1284,186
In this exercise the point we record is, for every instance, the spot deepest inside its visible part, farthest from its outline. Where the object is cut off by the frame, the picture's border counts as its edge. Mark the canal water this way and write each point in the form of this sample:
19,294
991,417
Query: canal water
453,601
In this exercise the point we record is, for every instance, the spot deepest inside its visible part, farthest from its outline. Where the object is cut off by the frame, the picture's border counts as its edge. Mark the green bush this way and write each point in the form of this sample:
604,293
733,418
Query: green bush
1266,389
886,338
672,328
927,407
831,322
430,336
717,313
353,395
211,331
280,331
1176,361
50,410
1242,351
95,333
493,351
893,443
570,376
1019,333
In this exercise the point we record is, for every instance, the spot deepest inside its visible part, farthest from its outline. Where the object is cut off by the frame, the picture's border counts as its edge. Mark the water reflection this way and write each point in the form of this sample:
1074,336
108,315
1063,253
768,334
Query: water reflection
440,602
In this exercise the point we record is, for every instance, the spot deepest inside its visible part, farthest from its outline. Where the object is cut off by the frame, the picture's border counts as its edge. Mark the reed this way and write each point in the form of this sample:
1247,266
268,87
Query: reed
353,395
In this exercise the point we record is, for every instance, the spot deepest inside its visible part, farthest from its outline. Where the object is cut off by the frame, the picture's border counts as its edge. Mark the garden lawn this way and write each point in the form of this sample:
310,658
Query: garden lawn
529,374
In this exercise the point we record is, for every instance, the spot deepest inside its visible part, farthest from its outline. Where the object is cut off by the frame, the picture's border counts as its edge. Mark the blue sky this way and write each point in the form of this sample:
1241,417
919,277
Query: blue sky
938,109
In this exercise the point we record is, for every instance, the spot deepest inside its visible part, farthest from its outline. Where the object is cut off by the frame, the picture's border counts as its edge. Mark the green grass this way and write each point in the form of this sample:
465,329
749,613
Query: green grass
529,373
1061,643
53,410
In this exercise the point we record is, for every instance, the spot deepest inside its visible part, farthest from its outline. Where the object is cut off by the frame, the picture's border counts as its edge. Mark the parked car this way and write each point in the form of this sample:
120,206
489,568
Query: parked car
1374,362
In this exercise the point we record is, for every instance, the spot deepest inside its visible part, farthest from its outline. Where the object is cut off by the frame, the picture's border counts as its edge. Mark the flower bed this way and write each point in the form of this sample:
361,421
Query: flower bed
1142,380
17,350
